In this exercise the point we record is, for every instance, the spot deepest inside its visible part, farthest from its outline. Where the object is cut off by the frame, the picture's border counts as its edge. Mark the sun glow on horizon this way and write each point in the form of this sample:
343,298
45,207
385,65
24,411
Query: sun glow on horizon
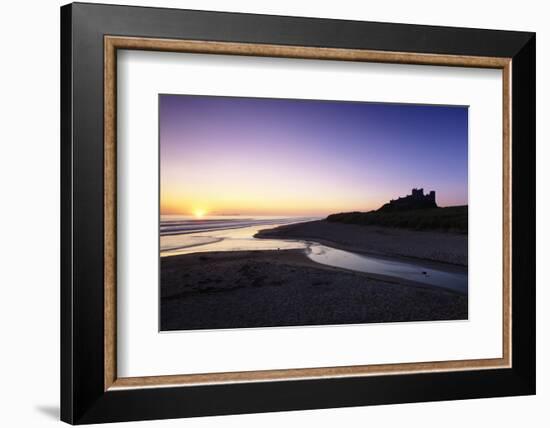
199,212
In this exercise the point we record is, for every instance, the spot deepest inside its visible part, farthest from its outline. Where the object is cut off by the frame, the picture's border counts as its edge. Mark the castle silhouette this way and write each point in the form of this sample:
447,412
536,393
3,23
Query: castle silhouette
416,200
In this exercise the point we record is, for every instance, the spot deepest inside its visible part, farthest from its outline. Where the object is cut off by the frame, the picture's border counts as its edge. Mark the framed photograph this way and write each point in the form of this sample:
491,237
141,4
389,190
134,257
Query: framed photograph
265,213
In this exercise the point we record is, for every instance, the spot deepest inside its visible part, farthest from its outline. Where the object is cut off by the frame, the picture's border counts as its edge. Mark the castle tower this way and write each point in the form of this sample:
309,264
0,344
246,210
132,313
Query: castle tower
417,193
417,200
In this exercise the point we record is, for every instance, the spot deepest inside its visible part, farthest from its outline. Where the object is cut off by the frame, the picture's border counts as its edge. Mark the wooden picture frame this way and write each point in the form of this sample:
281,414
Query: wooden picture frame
91,390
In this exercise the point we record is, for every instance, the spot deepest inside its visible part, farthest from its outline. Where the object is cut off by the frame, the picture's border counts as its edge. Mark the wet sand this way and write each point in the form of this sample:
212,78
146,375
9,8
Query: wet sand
241,289
390,242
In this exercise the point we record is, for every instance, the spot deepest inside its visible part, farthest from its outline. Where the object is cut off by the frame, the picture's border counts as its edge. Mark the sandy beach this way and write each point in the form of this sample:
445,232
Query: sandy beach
391,242
241,289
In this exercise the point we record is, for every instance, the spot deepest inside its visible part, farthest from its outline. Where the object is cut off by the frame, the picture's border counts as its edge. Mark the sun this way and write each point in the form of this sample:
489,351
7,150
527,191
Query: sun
199,213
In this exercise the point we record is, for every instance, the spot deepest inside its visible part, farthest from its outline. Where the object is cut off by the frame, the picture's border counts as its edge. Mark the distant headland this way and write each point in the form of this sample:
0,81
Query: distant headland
415,211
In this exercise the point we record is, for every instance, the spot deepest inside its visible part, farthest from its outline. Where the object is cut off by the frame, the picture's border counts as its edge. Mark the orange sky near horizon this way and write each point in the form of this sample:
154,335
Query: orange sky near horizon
172,204
267,195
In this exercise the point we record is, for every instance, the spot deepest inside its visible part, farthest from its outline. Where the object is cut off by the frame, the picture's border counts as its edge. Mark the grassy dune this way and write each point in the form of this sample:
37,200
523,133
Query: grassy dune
449,219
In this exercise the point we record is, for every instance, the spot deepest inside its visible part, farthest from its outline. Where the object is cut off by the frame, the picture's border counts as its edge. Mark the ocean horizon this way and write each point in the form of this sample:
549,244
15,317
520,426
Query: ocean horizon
185,224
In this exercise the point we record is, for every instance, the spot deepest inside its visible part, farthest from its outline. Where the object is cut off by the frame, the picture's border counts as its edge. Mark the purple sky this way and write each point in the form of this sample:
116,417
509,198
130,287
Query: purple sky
296,157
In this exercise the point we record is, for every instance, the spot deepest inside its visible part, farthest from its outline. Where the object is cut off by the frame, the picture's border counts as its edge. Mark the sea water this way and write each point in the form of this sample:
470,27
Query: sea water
186,234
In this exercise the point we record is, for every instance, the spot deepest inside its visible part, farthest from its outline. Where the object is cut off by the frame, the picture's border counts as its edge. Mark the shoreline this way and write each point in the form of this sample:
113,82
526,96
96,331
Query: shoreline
275,288
378,241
